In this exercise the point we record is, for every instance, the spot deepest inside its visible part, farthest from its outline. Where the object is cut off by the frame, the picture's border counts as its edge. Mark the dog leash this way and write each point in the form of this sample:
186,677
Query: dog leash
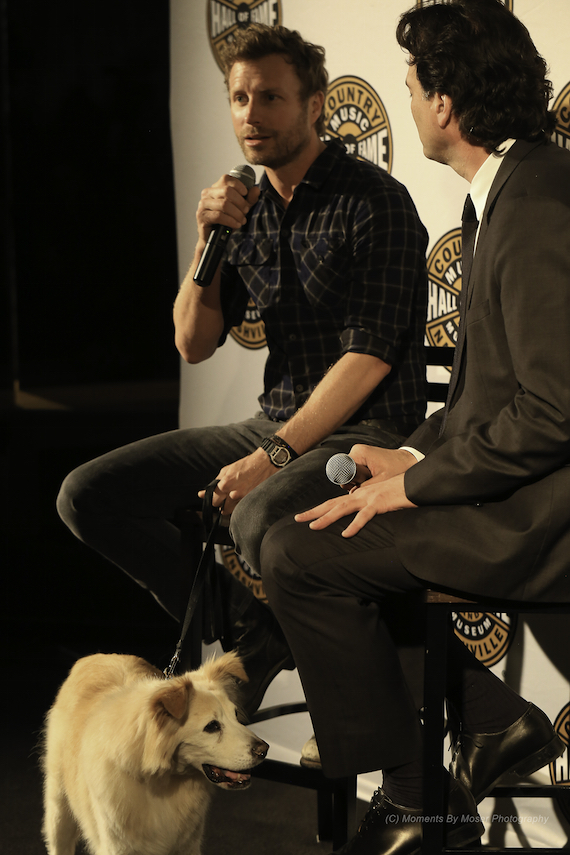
211,517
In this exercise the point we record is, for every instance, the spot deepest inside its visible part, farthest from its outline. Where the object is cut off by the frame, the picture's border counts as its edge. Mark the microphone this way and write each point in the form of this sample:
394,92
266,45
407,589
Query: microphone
216,245
343,471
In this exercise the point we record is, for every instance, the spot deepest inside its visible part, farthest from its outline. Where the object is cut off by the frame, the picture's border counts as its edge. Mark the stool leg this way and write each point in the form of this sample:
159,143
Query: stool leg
344,811
325,813
435,802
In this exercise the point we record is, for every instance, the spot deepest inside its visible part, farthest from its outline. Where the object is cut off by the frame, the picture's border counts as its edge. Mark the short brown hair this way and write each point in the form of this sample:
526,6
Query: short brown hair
259,40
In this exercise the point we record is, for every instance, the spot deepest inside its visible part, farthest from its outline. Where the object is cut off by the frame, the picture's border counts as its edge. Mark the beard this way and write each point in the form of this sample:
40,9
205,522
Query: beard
282,147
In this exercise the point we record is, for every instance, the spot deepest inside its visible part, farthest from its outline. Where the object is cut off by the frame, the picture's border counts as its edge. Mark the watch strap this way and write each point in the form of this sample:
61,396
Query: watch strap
280,452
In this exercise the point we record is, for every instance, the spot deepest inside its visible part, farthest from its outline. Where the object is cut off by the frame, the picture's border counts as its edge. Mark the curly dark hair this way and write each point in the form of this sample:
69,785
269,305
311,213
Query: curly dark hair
259,40
483,57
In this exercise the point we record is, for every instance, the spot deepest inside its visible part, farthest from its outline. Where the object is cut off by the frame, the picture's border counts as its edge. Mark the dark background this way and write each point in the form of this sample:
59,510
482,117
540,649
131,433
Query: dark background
87,361
89,275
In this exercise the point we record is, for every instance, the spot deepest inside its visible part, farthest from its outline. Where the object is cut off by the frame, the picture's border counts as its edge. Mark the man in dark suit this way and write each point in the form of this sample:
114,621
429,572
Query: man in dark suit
477,501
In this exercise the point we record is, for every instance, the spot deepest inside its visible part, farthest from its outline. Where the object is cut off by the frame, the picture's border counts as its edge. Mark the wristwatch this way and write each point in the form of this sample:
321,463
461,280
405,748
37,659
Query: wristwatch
278,451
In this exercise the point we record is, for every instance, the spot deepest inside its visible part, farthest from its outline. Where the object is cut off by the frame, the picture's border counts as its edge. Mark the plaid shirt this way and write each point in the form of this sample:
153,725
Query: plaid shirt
340,269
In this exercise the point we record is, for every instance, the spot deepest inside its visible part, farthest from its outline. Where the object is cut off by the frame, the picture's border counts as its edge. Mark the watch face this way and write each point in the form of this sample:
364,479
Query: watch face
280,456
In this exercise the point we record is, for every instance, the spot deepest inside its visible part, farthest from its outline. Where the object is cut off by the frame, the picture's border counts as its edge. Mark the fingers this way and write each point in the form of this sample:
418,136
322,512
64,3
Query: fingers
383,463
314,513
323,515
360,520
253,195
226,203
220,499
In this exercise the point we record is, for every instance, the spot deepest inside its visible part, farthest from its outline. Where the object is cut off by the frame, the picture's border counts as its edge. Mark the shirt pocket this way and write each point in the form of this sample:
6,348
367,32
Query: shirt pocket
250,253
255,261
324,268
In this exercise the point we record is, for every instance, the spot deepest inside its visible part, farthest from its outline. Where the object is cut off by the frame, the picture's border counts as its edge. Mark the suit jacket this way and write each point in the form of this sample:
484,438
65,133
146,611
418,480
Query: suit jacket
494,490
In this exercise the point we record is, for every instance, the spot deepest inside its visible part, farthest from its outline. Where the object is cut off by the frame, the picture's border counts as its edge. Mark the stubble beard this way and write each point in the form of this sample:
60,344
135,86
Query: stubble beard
286,147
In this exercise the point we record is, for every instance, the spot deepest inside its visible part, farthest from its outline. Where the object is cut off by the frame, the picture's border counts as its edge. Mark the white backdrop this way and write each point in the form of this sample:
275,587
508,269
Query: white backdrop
359,40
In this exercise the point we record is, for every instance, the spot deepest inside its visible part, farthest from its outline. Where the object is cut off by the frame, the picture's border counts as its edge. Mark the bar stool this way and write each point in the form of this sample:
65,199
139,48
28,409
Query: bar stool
439,605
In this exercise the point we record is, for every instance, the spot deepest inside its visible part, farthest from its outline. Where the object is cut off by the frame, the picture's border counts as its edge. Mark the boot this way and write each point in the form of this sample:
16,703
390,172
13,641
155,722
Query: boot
257,638
242,623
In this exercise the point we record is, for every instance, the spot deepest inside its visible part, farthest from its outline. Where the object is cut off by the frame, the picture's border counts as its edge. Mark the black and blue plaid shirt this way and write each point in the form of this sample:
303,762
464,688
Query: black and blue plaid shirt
340,269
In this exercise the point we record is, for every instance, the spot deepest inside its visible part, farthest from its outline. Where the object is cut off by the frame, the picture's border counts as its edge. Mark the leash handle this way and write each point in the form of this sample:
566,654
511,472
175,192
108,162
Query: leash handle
211,517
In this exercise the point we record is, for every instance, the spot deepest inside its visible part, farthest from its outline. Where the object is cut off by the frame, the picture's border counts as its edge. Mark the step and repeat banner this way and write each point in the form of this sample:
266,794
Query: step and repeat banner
367,106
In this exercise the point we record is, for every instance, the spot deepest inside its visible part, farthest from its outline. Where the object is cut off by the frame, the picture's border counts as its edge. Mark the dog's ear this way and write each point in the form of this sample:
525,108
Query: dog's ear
227,668
173,700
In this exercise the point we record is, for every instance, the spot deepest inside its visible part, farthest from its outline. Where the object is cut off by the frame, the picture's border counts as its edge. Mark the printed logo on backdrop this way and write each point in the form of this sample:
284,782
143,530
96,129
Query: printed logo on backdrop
242,571
560,768
488,635
225,17
355,114
507,3
444,288
561,133
251,332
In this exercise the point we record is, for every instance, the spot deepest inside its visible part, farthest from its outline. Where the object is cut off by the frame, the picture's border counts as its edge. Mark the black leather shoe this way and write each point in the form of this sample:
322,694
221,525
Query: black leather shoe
481,759
391,828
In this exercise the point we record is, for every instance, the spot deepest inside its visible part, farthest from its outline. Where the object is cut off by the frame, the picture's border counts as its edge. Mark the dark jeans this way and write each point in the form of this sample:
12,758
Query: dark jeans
123,503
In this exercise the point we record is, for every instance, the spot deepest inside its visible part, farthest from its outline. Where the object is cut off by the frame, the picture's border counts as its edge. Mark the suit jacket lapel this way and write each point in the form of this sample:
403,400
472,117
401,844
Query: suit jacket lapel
512,158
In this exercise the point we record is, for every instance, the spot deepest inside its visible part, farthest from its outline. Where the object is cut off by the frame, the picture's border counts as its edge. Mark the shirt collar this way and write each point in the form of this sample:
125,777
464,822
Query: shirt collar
484,177
320,169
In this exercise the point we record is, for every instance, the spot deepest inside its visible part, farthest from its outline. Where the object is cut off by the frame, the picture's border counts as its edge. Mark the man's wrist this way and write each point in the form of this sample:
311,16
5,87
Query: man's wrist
279,452
413,451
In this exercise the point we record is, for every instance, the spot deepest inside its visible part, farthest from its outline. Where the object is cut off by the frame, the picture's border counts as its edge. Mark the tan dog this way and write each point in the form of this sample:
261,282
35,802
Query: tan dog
129,755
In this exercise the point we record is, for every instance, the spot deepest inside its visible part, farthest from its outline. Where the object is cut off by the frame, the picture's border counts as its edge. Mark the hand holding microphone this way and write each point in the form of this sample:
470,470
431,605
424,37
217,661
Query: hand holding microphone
343,471
219,235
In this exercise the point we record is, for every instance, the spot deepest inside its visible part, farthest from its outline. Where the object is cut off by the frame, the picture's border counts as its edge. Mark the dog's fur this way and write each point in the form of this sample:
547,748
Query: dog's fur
129,756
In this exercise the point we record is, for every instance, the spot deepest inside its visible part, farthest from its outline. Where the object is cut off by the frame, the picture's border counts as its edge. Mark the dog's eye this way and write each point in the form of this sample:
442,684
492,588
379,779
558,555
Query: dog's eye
213,726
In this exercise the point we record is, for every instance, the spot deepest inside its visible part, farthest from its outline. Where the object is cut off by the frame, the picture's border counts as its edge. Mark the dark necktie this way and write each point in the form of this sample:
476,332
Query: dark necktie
469,225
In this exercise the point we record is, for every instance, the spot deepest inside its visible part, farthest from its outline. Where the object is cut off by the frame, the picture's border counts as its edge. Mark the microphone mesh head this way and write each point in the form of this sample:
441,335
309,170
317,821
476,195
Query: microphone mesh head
340,469
245,174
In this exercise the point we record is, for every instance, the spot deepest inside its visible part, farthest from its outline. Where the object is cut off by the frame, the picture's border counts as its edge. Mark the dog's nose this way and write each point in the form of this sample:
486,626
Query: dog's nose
260,749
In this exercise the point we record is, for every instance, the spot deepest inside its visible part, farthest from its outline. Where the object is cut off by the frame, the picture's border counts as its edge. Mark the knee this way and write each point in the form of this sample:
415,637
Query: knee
283,555
72,502
249,523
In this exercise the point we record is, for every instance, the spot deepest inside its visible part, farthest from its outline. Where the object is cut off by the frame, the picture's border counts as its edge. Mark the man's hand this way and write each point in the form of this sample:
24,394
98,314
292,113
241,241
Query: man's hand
383,463
371,498
240,478
226,203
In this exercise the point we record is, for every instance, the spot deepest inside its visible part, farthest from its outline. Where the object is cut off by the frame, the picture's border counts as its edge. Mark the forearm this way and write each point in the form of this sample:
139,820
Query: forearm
198,318
341,392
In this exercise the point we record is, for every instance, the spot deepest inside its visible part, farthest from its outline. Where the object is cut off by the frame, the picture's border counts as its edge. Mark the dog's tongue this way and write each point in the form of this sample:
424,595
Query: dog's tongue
233,776
219,775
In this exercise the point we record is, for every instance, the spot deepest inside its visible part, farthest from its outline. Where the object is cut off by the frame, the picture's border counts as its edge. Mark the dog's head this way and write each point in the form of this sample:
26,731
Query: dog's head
195,726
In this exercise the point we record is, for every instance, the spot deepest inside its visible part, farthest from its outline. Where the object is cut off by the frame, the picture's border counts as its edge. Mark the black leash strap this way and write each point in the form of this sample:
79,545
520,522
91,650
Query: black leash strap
211,517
